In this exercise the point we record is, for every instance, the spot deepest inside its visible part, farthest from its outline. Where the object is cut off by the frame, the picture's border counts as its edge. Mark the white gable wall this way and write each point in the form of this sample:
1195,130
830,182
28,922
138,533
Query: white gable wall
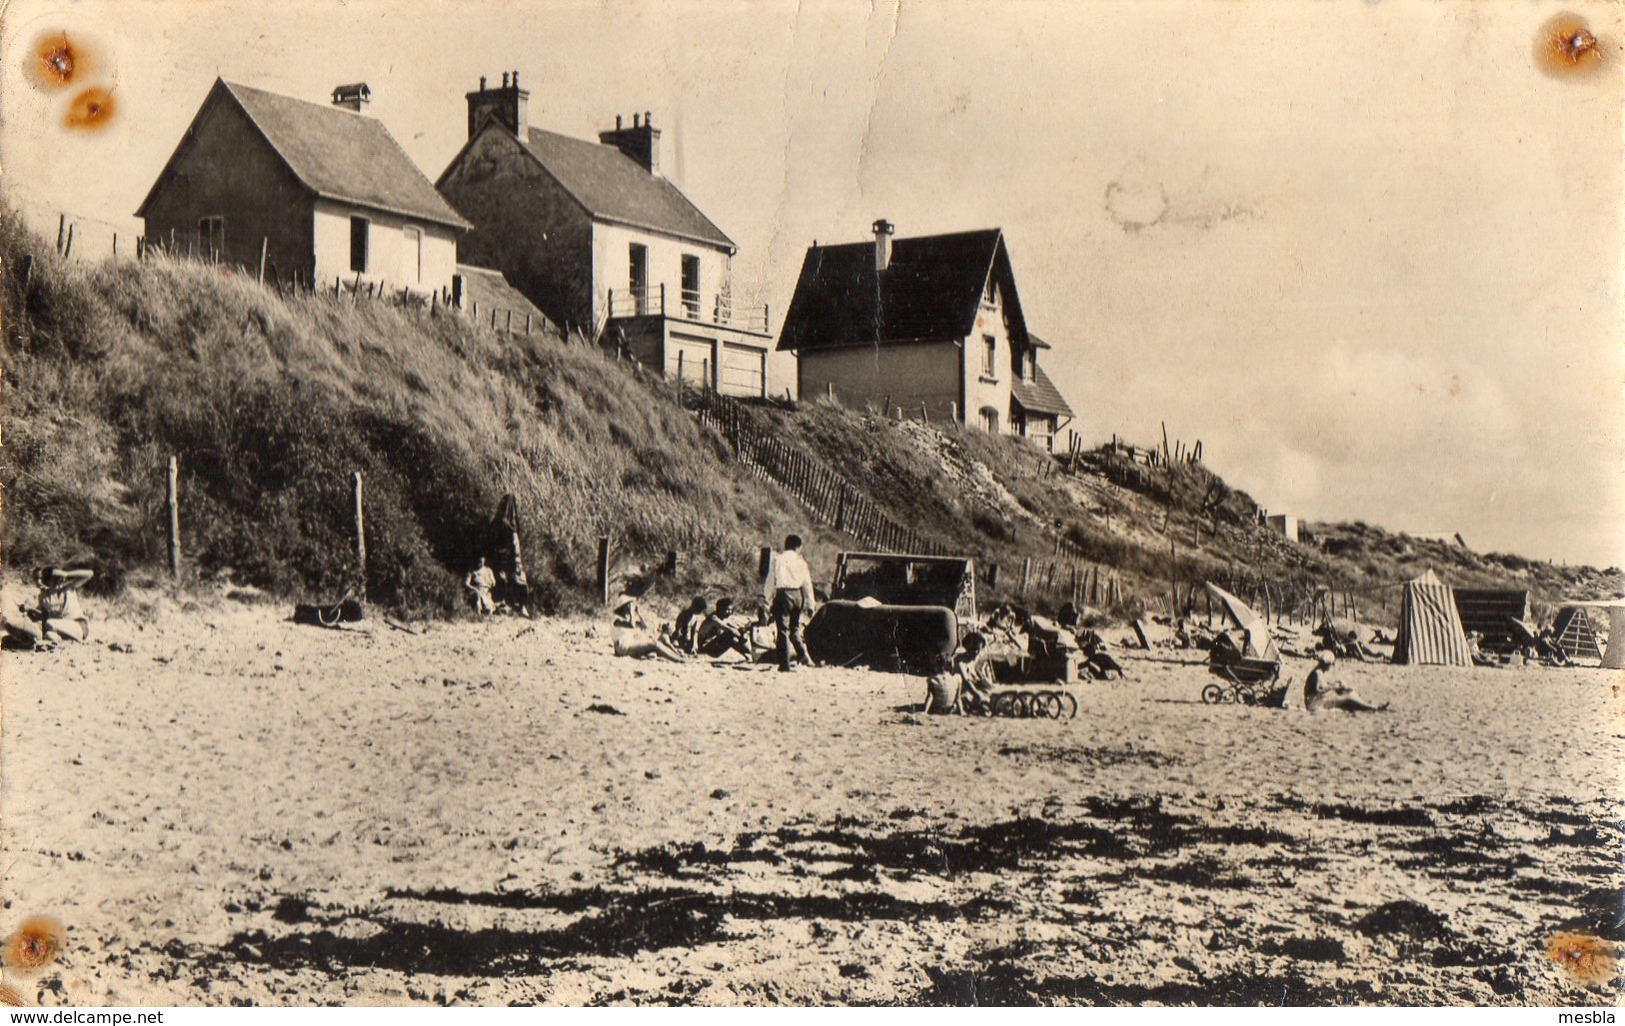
392,258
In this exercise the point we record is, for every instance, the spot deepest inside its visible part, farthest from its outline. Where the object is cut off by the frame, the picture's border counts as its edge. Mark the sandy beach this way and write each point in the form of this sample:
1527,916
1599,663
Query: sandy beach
224,807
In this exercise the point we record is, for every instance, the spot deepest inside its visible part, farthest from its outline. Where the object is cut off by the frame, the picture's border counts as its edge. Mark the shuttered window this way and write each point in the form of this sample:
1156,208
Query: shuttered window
360,229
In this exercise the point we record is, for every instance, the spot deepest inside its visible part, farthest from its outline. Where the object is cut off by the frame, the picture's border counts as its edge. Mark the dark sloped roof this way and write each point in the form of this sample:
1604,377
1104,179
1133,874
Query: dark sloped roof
1040,396
491,290
614,187
337,154
931,289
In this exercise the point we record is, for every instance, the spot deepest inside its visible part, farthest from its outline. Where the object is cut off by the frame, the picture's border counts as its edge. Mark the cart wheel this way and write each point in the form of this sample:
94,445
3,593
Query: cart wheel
1230,696
1247,696
1024,706
1052,705
1213,694
1000,706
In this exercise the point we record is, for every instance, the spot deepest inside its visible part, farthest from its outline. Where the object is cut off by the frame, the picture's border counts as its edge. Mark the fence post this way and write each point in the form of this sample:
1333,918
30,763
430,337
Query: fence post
360,538
172,496
603,570
764,562
264,245
1026,574
61,227
67,249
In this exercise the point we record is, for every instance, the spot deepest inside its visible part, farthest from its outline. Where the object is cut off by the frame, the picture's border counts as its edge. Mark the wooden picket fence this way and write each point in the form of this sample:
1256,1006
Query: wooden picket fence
830,498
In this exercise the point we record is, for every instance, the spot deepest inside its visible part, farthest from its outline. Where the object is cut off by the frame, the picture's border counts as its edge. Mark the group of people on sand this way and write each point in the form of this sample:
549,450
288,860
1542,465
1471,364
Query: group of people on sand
716,631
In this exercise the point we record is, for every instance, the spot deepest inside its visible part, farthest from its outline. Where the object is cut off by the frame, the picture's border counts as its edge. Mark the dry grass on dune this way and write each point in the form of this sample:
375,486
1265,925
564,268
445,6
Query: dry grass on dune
272,403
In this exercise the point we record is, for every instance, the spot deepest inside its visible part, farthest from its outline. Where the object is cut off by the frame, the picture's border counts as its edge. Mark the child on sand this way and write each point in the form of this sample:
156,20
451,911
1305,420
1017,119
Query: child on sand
967,686
55,614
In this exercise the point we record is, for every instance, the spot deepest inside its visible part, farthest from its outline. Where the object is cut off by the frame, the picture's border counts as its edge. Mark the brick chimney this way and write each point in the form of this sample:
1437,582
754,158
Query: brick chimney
883,233
641,142
506,103
354,96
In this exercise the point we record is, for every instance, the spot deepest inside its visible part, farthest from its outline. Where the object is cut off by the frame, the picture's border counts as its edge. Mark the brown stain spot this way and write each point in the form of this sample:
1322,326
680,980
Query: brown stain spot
1455,385
1589,960
1566,46
91,110
58,61
35,945
9,996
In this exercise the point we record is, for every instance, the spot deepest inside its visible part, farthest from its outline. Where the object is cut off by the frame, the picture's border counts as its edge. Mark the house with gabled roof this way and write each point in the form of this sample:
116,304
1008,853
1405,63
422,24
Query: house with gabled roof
929,326
602,241
322,189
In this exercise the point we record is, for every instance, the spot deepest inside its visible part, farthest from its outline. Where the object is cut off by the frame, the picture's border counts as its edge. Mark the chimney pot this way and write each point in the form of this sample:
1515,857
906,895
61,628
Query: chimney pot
617,122
516,79
883,232
482,83
636,123
649,119
504,80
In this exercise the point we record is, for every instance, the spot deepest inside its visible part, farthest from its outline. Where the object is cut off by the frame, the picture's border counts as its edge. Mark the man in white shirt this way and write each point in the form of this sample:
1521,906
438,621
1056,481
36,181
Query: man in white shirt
788,592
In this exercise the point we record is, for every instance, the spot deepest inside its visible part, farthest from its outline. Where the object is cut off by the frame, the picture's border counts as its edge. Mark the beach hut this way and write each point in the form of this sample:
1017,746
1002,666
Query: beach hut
1429,627
1614,655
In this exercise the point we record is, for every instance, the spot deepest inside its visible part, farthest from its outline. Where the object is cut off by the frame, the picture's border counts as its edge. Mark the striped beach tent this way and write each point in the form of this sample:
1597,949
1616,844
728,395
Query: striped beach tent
1429,627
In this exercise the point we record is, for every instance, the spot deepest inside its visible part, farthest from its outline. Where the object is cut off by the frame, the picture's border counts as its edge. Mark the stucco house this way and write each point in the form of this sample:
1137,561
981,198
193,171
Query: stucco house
930,325
601,241
325,189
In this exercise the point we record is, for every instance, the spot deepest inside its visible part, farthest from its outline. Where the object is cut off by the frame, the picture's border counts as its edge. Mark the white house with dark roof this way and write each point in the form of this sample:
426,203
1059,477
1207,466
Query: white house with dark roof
930,325
323,188
599,239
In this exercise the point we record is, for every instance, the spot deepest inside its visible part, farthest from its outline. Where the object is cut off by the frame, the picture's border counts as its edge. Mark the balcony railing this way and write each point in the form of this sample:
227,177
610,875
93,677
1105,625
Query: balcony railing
687,305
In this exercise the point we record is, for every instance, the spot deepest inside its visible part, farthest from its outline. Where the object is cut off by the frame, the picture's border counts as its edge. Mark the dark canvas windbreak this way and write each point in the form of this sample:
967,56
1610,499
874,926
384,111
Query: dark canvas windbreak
1429,627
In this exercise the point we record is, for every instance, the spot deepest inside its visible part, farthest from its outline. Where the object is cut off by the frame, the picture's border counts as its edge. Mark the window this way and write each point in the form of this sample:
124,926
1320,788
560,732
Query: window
991,295
638,276
990,347
1032,367
990,420
211,234
414,254
360,227
691,287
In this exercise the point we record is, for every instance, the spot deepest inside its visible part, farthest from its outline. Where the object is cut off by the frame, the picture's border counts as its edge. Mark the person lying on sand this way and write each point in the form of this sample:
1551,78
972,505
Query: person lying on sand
1321,692
629,642
55,614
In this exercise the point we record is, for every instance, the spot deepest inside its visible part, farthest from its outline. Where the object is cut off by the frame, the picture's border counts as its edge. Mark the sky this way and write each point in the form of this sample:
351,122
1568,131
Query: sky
1367,252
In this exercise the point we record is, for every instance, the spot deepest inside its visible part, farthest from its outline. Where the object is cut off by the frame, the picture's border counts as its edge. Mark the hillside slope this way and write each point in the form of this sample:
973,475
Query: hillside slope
271,402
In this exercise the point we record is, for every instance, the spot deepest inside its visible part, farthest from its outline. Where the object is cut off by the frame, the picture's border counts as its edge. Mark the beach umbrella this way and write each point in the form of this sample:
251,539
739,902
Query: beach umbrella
1258,643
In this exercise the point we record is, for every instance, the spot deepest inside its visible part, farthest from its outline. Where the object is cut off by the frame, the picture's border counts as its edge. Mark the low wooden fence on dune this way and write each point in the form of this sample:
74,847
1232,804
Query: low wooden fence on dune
836,503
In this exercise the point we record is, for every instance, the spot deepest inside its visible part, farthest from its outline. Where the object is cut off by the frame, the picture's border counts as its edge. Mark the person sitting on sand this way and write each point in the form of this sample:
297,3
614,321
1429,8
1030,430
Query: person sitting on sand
481,582
1321,692
629,643
968,685
55,614
684,632
721,633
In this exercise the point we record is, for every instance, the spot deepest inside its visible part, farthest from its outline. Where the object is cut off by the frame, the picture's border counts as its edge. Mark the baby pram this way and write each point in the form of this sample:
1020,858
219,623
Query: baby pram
1244,658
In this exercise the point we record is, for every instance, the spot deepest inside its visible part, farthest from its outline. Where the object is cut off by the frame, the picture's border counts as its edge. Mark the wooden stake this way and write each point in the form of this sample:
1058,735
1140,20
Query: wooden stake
61,227
172,495
265,244
360,538
603,570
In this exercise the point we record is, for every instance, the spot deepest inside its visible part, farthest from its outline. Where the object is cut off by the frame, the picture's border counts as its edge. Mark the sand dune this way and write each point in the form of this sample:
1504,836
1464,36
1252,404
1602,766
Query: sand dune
243,810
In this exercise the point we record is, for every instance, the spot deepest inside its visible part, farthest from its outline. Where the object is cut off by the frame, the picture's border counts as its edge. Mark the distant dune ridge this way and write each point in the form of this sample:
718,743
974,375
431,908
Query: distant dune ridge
272,402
